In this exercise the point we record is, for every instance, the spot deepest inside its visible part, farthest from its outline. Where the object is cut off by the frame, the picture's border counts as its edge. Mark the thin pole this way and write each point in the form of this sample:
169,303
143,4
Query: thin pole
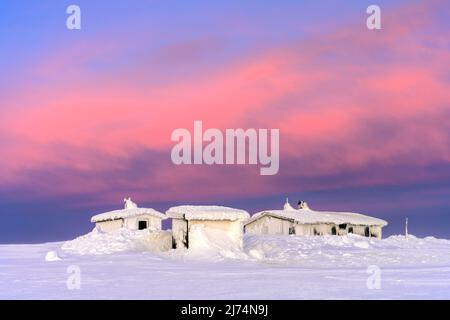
406,228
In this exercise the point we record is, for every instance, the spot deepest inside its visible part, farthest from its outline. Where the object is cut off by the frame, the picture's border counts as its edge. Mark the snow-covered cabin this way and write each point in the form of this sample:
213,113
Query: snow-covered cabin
131,217
304,221
191,223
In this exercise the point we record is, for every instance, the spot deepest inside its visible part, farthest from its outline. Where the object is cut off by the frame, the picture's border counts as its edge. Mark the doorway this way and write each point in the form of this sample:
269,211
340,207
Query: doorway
291,230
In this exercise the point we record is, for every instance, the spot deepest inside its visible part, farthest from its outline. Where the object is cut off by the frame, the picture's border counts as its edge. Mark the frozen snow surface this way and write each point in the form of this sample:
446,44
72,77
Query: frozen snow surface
126,265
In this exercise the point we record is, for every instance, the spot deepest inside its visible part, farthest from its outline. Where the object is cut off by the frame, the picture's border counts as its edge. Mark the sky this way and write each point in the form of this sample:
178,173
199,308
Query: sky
86,115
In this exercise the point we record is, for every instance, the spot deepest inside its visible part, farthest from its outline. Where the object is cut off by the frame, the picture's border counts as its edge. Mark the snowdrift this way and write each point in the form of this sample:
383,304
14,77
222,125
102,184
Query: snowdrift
214,245
122,240
349,250
309,251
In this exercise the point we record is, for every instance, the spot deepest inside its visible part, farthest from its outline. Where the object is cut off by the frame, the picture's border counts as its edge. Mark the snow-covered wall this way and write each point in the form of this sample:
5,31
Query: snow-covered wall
131,223
179,231
315,229
109,226
193,224
228,233
153,222
267,224
183,235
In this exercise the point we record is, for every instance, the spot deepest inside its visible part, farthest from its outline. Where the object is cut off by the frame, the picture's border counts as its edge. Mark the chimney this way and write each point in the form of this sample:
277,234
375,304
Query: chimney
303,205
287,206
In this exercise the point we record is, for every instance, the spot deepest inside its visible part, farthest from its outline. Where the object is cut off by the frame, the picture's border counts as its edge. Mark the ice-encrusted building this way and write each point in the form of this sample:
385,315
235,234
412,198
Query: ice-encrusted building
304,221
131,217
191,224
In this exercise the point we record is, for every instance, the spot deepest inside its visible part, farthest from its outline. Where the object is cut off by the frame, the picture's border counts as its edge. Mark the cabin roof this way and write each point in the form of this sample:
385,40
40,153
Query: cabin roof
127,213
308,216
207,213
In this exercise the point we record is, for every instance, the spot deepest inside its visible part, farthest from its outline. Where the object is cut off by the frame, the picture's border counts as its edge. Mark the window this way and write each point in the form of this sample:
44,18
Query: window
291,230
343,226
142,224
367,231
350,230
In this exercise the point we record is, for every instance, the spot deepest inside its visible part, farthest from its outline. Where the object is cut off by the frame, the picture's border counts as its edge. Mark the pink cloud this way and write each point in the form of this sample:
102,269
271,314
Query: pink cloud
340,104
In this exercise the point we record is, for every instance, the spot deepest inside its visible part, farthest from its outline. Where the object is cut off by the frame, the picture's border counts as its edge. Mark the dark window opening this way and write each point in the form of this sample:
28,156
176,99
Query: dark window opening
174,243
291,230
350,230
333,231
366,231
142,225
343,226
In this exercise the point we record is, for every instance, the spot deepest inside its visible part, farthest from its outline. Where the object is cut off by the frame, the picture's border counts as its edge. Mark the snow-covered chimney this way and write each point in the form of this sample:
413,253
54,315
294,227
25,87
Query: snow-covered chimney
303,205
129,204
287,205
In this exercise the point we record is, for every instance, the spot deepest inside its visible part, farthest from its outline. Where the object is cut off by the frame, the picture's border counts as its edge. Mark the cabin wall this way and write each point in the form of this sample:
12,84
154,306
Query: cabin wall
313,229
322,229
258,226
109,226
359,230
368,231
273,225
153,223
232,227
304,229
376,232
269,225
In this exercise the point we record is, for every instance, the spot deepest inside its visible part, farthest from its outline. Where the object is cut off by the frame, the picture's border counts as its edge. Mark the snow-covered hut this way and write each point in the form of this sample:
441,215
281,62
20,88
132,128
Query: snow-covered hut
131,217
304,221
191,224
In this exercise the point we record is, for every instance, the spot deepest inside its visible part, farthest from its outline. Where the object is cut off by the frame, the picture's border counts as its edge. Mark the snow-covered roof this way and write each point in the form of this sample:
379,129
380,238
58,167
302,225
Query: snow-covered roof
131,210
207,213
308,216
127,213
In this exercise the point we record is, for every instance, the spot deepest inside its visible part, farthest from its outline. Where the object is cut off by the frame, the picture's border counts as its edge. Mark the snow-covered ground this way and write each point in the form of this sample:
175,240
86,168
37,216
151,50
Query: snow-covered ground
124,266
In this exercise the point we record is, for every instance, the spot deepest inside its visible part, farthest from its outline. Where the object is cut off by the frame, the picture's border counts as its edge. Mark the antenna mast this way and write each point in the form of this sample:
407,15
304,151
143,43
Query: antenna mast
406,228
